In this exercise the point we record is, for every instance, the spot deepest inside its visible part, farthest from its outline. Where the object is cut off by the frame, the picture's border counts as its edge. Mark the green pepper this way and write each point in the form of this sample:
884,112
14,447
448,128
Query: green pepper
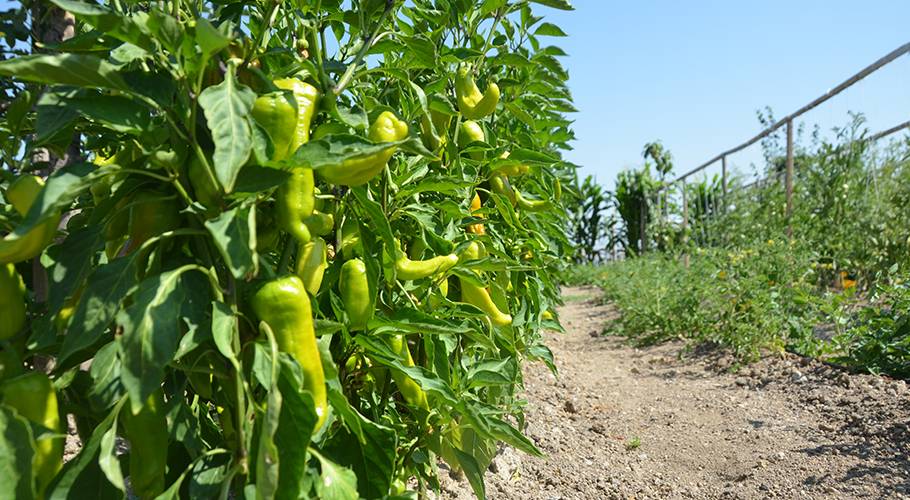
407,269
499,184
311,264
409,389
32,395
284,305
276,112
62,318
357,171
473,103
295,201
476,205
10,364
350,239
355,293
479,297
436,298
266,230
206,189
531,205
435,136
509,168
21,194
12,302
306,97
147,433
151,213
320,224
116,232
471,131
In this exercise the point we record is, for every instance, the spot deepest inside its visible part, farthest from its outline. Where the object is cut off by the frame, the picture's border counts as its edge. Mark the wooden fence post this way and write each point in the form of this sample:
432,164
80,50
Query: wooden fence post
643,208
789,177
685,198
723,180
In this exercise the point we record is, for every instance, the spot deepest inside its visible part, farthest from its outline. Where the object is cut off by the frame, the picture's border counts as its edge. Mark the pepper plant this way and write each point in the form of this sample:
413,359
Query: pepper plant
274,268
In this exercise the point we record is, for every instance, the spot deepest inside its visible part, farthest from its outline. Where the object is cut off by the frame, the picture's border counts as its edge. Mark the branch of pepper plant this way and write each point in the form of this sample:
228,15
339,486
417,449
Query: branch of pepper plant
349,72
269,19
486,45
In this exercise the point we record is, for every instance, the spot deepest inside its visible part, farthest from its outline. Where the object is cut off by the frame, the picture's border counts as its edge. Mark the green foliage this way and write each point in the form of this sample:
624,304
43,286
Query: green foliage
591,223
831,290
149,282
879,339
748,300
633,194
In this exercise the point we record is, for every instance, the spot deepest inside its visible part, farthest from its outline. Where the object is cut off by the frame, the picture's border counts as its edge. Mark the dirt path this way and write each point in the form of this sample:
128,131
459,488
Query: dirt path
622,422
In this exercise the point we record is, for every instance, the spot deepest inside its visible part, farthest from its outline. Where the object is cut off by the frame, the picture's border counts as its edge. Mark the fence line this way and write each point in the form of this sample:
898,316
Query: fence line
787,120
872,138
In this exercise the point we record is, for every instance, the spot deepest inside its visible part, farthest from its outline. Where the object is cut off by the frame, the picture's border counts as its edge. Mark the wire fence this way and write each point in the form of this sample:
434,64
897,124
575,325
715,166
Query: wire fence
660,198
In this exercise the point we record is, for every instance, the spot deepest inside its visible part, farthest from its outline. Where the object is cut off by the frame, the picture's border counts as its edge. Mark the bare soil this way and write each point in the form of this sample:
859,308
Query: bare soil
667,422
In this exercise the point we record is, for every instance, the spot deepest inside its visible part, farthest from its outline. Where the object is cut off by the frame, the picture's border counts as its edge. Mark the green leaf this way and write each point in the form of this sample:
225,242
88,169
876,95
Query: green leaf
151,330
296,424
335,150
55,120
379,221
549,29
556,4
414,321
80,70
17,448
107,287
108,461
227,108
208,476
255,179
422,53
210,40
234,233
82,477
268,455
379,351
372,460
473,472
62,187
335,482
132,29
225,331
117,113
491,373
511,59
72,263
105,373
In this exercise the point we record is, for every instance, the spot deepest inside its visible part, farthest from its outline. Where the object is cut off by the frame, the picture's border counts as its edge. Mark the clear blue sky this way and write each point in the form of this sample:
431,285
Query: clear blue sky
693,73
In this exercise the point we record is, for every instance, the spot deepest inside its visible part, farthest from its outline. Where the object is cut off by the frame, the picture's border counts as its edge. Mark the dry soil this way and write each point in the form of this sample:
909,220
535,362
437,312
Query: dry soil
667,422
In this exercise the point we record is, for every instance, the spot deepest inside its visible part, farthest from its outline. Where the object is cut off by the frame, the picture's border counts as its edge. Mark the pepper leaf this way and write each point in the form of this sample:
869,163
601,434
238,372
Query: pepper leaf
227,108
151,330
80,70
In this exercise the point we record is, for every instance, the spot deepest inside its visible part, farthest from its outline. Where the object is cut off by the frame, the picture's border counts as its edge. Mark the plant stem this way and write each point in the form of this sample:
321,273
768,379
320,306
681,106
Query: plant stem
285,255
269,19
349,72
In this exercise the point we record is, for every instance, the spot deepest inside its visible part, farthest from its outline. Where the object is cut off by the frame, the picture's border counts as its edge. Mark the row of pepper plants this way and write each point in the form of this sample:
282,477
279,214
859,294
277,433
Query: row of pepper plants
302,250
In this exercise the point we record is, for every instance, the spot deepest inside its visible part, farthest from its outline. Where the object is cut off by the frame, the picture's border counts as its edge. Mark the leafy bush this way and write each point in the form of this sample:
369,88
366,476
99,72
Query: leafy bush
750,288
189,305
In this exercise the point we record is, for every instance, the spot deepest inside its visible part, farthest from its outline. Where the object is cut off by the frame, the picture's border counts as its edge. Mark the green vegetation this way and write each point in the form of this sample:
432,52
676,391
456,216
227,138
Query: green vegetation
836,289
265,315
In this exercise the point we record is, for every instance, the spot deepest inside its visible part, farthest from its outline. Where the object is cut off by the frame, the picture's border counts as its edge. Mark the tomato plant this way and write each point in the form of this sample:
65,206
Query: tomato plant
273,267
